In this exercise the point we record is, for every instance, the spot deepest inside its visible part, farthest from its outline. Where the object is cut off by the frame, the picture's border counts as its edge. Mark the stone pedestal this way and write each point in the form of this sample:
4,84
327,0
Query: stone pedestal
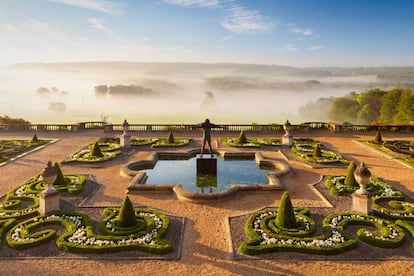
206,172
287,140
362,203
206,165
125,140
49,201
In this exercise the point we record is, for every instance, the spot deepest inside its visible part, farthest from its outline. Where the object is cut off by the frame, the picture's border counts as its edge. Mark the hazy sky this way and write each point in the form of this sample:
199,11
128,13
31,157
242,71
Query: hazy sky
284,32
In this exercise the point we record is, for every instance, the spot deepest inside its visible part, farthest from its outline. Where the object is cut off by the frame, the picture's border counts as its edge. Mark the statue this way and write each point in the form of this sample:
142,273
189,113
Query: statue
207,126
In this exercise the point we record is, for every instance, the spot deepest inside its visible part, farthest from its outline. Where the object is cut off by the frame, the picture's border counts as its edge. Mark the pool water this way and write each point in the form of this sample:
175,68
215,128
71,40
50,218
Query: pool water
184,172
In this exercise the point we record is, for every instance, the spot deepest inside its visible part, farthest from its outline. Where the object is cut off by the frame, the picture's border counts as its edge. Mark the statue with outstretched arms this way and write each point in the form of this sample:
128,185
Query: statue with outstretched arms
207,126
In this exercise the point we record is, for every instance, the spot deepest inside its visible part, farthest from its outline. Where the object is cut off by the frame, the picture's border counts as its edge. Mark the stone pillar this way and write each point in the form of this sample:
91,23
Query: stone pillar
49,201
49,198
125,140
206,173
362,203
361,199
287,138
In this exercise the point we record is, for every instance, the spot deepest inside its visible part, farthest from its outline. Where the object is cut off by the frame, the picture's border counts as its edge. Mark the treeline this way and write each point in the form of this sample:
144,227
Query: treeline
6,120
124,90
395,106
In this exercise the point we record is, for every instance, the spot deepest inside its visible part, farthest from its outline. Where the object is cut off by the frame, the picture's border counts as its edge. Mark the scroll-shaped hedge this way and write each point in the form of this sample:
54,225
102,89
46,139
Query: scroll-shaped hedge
264,239
79,236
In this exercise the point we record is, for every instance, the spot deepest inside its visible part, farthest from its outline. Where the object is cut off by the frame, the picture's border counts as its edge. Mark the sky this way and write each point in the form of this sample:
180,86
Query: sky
301,33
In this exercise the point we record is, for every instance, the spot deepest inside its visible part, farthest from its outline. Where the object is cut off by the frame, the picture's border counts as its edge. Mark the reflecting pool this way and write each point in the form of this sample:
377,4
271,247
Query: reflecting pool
184,172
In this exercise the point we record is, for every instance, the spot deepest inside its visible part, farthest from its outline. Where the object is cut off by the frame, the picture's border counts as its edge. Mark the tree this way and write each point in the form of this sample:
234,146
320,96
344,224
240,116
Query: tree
285,215
405,108
126,217
378,137
96,151
60,179
242,138
317,152
344,109
350,178
170,138
389,105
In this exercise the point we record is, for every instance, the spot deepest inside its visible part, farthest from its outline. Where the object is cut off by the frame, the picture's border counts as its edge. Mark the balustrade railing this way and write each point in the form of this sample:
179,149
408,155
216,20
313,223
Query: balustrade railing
255,128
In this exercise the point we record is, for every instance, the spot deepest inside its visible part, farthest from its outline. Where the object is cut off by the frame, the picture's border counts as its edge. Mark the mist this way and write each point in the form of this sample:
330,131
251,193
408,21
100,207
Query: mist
173,92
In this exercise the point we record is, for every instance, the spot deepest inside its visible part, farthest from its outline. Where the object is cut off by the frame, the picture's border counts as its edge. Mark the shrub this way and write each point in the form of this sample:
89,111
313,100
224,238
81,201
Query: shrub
34,138
285,216
350,178
170,138
60,179
378,138
242,138
317,152
126,214
96,151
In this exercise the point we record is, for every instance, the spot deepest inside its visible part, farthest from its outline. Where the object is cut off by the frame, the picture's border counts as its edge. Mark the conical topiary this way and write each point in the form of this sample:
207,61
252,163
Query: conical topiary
170,138
378,138
350,178
242,138
317,152
285,216
34,138
126,217
60,179
96,151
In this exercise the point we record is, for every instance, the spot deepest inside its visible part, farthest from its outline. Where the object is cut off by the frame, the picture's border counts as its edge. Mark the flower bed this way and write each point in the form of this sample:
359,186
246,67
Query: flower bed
159,143
27,195
79,236
303,150
109,150
250,143
382,192
264,239
12,149
400,150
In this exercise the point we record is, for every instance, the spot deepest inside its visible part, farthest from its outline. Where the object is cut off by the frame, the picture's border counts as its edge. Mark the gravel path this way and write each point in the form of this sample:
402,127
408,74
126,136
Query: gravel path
206,246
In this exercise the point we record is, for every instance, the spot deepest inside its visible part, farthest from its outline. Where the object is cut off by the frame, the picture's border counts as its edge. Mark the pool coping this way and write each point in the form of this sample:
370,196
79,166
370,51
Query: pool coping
137,184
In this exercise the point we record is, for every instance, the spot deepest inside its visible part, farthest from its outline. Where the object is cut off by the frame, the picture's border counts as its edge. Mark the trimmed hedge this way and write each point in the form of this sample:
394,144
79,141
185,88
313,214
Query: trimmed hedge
79,236
333,241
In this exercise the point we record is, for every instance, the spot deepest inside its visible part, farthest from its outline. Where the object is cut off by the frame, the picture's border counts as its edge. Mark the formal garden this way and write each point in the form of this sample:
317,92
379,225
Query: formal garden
143,232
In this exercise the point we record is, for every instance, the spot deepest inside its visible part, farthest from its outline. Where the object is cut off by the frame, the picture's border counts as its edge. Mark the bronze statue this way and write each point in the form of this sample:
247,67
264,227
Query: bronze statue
207,126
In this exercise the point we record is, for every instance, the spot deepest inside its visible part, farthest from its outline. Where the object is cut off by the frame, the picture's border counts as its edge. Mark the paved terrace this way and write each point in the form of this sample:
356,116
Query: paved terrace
206,240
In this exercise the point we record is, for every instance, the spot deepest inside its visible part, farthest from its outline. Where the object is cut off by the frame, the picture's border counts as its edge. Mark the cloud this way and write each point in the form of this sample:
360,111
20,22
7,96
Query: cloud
317,47
287,48
97,24
300,31
238,19
199,3
105,6
243,20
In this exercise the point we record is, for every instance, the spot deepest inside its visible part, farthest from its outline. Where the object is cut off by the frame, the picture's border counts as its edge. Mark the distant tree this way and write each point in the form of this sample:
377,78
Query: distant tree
389,105
344,109
8,120
405,108
101,90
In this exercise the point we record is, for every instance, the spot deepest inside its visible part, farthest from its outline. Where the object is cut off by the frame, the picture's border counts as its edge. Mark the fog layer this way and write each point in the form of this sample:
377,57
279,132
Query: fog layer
179,93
